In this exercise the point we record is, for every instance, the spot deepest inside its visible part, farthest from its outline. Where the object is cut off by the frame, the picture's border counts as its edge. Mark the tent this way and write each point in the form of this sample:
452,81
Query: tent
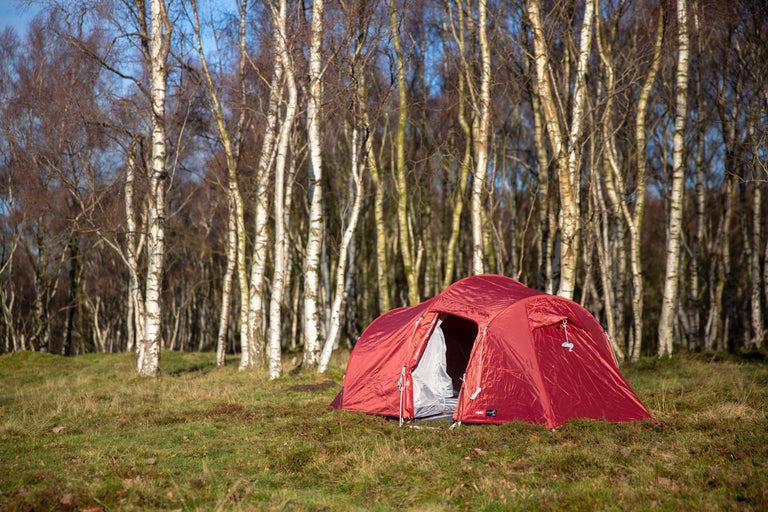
488,349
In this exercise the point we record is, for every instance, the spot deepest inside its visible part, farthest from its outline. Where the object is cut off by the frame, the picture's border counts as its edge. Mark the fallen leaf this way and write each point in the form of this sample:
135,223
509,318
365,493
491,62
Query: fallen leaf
150,461
58,429
480,452
93,509
625,452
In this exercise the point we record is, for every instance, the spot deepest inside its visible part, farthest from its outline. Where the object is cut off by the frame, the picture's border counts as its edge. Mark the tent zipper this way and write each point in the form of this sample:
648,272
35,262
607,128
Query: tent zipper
479,366
401,382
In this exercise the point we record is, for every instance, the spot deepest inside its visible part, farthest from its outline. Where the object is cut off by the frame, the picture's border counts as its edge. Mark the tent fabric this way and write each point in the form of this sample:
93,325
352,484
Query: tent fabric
510,352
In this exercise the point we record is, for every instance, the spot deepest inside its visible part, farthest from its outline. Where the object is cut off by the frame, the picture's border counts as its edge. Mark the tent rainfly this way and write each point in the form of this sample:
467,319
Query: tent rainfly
488,349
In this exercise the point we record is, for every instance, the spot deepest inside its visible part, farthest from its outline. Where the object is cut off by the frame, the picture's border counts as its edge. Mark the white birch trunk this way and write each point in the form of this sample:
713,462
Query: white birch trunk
226,293
565,153
758,331
159,43
278,281
339,298
636,221
236,224
406,242
315,235
570,181
261,224
671,281
480,174
134,244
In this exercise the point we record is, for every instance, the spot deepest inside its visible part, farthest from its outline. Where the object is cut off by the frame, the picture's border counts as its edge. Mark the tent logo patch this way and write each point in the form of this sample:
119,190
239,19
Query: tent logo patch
484,412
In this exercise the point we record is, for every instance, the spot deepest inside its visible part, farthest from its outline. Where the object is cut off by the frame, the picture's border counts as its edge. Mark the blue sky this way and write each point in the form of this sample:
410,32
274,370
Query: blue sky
15,13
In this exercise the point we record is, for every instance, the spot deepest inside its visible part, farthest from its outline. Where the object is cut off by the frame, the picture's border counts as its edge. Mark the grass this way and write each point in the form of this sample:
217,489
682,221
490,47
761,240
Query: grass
84,433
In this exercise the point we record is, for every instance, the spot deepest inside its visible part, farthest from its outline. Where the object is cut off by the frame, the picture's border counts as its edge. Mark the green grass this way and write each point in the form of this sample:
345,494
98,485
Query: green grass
84,433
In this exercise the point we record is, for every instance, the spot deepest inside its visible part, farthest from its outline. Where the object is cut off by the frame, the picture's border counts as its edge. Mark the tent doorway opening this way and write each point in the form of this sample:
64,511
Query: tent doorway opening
437,379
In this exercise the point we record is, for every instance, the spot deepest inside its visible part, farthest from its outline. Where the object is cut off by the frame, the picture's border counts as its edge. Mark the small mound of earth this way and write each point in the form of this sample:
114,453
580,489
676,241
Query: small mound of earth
328,384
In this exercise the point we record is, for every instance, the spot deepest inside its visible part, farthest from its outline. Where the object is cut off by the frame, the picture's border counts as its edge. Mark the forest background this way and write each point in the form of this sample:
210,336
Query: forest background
268,177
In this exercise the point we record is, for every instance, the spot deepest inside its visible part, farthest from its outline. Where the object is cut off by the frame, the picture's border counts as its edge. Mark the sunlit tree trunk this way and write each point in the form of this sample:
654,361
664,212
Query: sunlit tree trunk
134,244
382,261
236,225
635,221
279,276
261,221
314,238
566,152
758,331
479,176
674,232
458,31
406,242
340,296
159,48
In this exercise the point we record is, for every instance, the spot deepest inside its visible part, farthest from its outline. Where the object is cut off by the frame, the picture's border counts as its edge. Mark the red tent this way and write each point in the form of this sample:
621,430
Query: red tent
488,350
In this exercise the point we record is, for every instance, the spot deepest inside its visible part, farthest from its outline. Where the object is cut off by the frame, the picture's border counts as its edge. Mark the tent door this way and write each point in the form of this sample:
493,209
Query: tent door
437,377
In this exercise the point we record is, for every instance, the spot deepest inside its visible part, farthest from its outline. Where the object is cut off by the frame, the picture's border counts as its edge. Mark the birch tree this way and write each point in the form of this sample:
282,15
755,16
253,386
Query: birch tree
231,143
157,61
404,225
315,235
674,230
264,170
282,53
565,148
479,176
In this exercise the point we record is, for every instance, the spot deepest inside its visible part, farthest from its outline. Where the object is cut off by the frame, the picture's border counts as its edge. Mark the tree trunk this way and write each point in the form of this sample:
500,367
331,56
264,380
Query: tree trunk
567,158
315,235
480,173
401,184
671,281
458,200
278,280
261,223
160,38
339,298
236,225
616,181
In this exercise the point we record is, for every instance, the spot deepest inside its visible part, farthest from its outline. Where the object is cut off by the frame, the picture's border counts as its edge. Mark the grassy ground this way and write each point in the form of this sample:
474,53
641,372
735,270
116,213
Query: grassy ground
83,433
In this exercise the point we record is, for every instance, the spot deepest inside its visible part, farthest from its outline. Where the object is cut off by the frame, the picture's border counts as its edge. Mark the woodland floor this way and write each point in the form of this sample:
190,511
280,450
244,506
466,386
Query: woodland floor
84,433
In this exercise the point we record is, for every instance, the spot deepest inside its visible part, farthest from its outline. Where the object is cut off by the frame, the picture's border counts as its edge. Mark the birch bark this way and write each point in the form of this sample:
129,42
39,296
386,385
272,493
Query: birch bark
133,247
635,221
261,222
278,281
236,226
406,243
339,298
480,173
159,43
672,268
565,151
458,31
315,235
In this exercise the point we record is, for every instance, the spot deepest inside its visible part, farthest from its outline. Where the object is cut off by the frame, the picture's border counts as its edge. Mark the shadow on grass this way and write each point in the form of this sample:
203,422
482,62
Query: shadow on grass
175,364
